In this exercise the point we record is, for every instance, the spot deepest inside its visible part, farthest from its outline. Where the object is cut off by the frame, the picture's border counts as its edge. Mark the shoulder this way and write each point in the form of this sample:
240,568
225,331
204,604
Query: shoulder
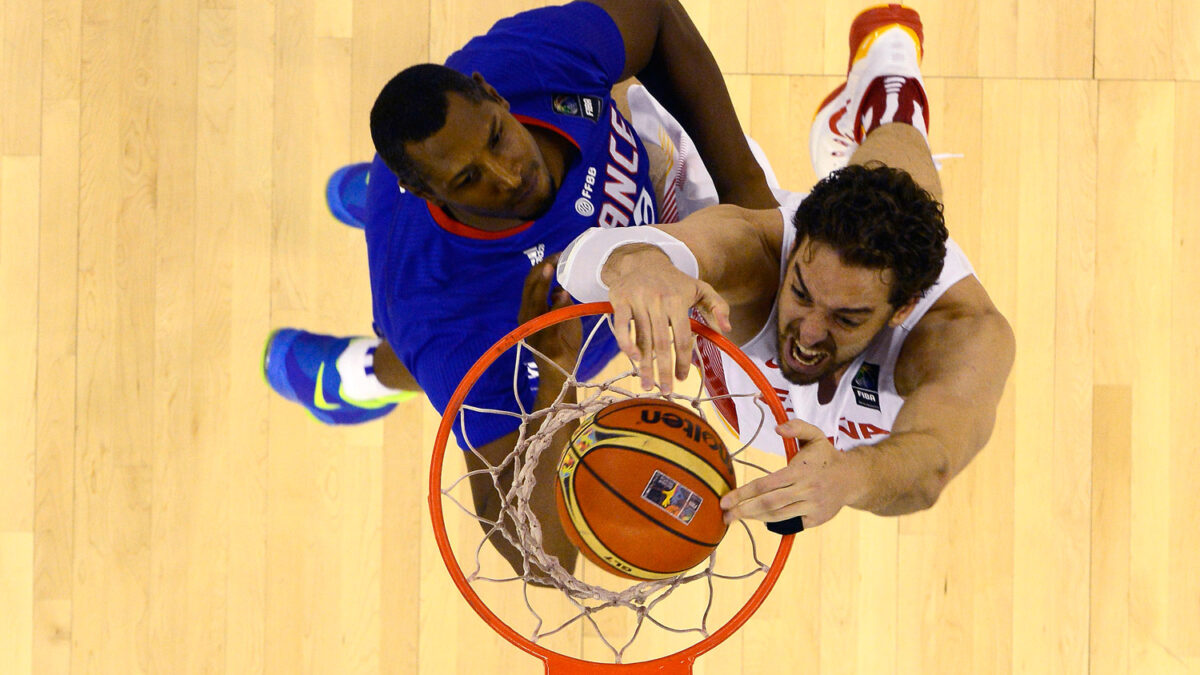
961,327
766,226
392,215
552,46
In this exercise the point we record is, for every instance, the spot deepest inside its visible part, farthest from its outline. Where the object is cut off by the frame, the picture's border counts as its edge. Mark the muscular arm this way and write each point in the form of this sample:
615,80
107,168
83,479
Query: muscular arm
951,372
560,343
488,500
666,52
748,281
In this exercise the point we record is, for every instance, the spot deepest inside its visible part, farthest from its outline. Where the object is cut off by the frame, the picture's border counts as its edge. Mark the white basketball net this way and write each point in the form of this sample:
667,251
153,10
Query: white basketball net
518,524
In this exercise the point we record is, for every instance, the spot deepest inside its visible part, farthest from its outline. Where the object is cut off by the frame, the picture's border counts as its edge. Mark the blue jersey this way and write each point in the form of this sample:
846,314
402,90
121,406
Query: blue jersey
445,292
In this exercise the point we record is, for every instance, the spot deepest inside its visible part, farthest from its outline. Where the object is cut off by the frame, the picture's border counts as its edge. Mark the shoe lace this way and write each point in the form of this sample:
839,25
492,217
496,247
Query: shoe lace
937,159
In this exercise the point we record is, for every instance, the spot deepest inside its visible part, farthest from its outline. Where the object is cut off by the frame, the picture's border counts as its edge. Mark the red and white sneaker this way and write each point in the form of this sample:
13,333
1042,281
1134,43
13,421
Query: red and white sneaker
883,85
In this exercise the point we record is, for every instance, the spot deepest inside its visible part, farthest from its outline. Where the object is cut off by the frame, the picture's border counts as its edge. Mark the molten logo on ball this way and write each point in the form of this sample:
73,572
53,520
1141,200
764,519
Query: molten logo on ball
690,429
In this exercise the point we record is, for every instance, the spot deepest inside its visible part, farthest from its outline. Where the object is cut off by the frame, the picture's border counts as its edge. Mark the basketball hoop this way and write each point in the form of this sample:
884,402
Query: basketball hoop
641,598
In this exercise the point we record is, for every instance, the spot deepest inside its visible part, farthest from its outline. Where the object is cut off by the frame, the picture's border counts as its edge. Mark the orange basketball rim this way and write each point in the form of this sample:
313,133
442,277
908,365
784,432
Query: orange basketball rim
679,663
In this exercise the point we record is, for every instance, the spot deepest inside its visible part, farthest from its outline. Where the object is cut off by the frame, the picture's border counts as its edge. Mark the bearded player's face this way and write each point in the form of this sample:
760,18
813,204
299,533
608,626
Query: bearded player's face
829,312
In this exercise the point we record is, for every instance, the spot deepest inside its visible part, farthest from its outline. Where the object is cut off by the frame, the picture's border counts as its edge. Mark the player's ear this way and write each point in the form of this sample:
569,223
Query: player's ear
491,91
902,312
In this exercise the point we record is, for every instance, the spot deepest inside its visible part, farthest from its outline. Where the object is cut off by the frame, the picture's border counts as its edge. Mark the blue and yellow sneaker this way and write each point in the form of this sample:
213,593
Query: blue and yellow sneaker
346,194
302,367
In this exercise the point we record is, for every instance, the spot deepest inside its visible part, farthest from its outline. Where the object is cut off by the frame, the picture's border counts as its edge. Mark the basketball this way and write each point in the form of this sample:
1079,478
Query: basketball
638,488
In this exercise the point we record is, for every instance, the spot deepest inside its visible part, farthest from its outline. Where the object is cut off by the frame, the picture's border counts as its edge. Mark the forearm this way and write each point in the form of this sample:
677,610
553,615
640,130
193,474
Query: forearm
903,473
710,235
542,500
489,499
683,75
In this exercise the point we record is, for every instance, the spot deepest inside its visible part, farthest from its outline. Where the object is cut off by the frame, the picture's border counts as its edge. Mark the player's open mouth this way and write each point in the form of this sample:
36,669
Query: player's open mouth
806,358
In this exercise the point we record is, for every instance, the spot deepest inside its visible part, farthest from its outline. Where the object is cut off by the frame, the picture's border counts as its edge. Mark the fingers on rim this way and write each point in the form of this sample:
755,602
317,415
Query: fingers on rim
622,315
714,306
644,345
661,341
803,431
791,511
685,340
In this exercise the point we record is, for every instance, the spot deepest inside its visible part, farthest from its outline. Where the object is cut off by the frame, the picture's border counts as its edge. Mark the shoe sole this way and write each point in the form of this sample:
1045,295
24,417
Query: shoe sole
876,20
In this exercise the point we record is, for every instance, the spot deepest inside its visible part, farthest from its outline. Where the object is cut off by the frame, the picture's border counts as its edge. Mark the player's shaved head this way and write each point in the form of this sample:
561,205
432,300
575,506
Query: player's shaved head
412,107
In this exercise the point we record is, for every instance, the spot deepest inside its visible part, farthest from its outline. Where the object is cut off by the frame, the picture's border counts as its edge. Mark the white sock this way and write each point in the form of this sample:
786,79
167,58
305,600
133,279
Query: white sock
356,366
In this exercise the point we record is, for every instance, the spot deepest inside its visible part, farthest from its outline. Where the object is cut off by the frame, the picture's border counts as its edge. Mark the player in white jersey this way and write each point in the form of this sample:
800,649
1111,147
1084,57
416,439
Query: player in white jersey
862,409
852,299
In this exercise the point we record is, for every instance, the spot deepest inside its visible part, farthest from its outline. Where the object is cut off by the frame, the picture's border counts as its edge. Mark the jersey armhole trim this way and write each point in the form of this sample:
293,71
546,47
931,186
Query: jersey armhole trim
533,121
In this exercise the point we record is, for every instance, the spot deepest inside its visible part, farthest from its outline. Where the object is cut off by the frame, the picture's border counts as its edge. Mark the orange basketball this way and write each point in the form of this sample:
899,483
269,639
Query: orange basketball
638,488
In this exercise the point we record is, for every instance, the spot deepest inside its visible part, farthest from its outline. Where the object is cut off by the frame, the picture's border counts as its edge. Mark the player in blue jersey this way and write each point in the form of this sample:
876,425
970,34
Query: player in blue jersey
487,167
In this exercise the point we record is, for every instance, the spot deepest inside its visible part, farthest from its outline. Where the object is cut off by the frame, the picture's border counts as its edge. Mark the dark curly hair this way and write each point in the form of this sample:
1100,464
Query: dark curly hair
877,217
412,107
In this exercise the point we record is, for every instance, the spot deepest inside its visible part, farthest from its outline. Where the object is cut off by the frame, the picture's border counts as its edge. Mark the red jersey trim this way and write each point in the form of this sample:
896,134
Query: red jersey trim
452,226
713,376
533,121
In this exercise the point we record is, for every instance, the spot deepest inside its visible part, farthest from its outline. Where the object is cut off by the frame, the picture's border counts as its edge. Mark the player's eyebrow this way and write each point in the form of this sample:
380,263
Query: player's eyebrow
838,310
495,127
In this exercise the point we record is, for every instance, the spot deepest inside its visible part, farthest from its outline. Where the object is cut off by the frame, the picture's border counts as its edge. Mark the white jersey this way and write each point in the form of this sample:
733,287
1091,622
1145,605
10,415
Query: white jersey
864,407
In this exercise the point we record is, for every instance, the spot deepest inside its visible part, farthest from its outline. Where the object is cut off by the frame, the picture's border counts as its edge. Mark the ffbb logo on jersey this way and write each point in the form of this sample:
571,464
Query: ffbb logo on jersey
624,202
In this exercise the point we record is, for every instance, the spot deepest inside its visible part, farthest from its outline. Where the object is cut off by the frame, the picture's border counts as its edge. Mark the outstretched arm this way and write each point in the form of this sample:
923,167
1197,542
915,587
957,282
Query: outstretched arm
666,52
561,344
951,372
733,292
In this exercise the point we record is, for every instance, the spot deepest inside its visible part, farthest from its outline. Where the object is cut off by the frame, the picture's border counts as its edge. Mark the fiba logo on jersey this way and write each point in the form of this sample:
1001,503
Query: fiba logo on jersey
866,386
578,105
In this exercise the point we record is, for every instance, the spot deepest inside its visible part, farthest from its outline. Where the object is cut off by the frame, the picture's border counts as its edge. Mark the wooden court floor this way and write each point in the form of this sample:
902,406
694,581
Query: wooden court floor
162,165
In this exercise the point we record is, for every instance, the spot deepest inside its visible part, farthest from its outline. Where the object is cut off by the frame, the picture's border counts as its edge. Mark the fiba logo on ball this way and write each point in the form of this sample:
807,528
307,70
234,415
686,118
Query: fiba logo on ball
584,207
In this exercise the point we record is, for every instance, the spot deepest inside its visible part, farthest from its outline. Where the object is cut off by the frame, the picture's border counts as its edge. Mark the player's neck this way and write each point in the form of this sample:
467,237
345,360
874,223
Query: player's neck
480,222
558,154
827,386
557,151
